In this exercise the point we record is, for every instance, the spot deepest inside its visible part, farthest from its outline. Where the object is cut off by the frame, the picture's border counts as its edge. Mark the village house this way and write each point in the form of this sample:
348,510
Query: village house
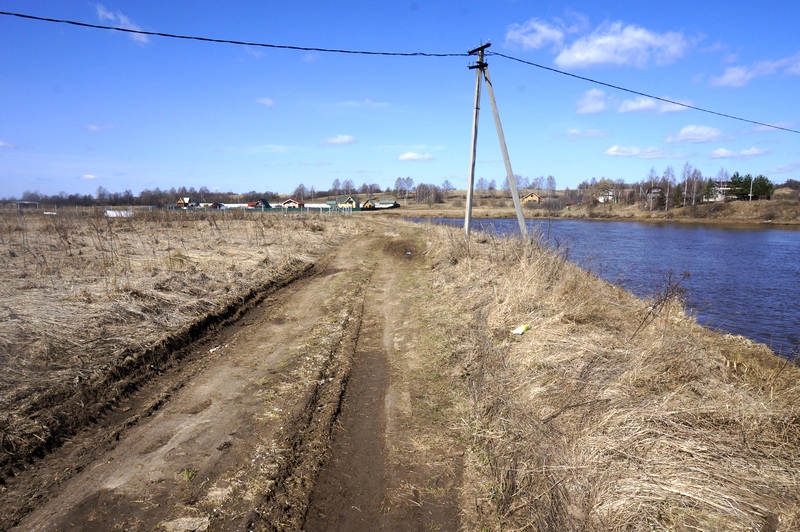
184,203
719,191
530,197
260,203
606,196
292,204
387,204
348,202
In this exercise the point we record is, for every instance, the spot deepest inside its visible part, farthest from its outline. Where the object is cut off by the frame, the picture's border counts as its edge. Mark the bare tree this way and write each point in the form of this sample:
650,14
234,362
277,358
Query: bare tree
695,185
686,175
348,186
652,177
669,184
551,186
403,186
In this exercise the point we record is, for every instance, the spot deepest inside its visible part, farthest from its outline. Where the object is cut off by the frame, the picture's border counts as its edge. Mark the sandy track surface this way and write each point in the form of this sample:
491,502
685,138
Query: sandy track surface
236,436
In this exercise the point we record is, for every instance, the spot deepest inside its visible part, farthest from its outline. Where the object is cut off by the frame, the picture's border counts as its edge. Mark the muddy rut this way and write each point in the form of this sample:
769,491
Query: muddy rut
287,420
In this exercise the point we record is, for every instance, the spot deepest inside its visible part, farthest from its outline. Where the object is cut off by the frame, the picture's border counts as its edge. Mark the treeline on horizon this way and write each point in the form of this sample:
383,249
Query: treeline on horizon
692,183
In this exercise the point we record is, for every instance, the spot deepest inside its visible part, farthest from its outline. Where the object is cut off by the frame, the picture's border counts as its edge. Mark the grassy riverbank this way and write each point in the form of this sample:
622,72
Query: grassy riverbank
610,412
776,212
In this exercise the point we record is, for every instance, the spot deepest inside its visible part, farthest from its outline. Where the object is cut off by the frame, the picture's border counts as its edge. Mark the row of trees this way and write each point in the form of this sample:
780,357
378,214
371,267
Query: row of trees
156,197
690,187
669,190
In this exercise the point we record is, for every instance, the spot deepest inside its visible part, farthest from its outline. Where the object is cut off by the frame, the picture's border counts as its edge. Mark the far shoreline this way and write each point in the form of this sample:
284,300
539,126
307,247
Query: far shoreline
774,213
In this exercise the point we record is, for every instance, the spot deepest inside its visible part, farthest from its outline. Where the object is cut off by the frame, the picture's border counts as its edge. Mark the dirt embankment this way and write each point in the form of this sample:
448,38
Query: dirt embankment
383,389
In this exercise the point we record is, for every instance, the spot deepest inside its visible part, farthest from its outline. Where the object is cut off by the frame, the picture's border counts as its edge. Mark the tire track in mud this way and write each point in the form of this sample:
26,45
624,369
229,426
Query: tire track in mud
237,432
290,419
368,484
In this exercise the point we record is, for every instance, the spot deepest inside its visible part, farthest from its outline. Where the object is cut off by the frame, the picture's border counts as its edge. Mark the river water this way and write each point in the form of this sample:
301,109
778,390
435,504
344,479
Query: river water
742,279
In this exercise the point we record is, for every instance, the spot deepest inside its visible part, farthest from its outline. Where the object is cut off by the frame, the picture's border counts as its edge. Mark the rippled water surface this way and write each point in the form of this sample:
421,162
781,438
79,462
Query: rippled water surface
742,279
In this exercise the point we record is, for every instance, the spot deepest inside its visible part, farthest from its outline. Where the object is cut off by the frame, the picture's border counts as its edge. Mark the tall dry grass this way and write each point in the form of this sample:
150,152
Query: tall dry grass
87,300
611,412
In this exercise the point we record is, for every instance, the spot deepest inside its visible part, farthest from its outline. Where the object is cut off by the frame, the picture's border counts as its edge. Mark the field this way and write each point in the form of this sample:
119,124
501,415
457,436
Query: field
361,370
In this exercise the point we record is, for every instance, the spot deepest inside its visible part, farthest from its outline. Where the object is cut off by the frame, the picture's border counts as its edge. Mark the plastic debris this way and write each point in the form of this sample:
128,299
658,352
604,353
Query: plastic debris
521,329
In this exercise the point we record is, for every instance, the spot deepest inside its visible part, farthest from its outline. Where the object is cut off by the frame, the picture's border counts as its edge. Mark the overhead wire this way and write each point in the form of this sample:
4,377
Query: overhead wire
393,54
228,41
631,91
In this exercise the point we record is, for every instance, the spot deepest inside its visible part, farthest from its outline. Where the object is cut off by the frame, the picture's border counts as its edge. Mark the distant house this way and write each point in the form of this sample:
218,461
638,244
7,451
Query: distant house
183,203
292,204
261,203
606,196
653,196
348,202
719,191
387,204
369,205
531,197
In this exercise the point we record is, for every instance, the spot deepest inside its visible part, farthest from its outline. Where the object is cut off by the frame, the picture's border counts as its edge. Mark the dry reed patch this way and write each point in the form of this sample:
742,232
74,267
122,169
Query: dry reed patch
85,297
612,412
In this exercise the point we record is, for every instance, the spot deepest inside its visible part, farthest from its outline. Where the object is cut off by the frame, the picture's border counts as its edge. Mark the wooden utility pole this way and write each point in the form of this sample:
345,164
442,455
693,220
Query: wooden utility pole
482,69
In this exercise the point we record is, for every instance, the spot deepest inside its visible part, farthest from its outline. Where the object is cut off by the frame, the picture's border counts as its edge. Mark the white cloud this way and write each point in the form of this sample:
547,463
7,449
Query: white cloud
739,76
593,101
622,151
414,156
723,153
666,107
5,145
269,102
786,168
89,176
122,21
695,133
340,139
253,51
534,34
643,103
96,128
631,151
365,103
763,129
574,134
623,45
640,103
652,153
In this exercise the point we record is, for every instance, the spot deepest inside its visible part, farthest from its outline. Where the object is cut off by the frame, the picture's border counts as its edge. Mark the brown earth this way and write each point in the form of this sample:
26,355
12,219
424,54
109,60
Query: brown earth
312,383
360,373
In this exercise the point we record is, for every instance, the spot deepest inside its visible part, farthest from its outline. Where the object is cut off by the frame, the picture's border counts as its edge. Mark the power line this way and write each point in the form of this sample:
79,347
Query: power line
227,41
394,54
617,87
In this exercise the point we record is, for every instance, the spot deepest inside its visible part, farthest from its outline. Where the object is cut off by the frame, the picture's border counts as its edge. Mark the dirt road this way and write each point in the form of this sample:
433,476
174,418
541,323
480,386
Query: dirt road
294,418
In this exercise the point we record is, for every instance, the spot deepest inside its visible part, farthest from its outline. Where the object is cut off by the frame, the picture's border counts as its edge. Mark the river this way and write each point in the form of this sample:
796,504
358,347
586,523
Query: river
742,279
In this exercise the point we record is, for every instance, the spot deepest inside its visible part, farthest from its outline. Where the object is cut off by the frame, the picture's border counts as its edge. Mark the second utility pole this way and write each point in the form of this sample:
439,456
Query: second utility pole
482,72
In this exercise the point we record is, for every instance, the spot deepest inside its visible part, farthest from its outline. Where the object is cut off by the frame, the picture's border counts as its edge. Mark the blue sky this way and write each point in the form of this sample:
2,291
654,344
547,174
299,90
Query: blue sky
82,108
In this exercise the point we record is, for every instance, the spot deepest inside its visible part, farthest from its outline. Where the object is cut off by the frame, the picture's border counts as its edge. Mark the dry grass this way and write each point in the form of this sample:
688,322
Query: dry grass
585,423
88,301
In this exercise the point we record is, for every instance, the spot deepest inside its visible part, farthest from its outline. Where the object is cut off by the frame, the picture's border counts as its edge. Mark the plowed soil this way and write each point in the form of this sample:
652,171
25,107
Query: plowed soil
293,418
